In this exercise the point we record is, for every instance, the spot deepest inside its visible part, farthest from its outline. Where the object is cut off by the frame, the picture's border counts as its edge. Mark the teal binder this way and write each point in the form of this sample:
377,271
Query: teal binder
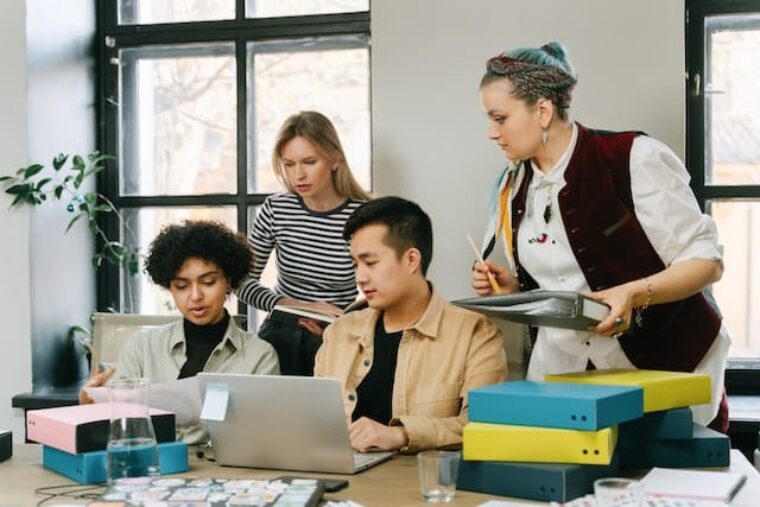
555,405
668,424
707,448
90,467
532,481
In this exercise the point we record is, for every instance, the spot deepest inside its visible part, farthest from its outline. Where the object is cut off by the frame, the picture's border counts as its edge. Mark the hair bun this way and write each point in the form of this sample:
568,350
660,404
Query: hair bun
556,50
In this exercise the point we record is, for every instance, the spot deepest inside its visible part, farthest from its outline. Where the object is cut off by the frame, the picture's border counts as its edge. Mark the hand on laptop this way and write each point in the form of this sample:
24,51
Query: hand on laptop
368,435
96,380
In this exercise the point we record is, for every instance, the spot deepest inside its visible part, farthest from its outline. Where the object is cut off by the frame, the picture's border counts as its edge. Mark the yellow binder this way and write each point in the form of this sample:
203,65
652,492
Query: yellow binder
504,442
663,390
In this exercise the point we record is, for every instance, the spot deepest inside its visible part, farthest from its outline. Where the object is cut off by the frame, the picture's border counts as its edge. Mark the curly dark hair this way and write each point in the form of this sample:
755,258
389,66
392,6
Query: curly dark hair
203,239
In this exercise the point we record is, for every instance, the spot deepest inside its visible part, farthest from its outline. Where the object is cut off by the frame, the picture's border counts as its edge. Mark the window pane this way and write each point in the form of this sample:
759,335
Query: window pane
178,120
732,103
140,294
268,278
276,8
738,292
143,12
329,75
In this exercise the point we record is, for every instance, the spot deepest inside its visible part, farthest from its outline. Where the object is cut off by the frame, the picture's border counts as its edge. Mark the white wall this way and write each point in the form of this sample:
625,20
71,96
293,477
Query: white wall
15,359
429,134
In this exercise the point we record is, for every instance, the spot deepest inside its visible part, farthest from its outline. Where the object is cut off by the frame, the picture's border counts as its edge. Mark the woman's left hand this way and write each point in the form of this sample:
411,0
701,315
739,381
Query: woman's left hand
620,301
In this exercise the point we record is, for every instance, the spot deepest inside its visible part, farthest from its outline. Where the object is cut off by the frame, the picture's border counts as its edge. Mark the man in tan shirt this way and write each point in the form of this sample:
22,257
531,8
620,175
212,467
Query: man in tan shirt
407,362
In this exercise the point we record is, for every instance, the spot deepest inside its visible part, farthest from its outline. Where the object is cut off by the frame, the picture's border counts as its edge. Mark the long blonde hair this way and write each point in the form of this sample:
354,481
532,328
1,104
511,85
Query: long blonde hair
318,130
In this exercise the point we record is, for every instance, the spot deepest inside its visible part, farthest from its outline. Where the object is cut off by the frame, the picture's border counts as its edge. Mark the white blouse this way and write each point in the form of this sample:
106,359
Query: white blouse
670,216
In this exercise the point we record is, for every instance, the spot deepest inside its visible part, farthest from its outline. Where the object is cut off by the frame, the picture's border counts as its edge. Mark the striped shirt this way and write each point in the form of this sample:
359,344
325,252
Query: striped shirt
313,261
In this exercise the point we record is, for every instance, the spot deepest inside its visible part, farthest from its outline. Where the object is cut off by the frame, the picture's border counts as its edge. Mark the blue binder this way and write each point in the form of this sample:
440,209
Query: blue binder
668,424
707,448
555,405
90,467
544,482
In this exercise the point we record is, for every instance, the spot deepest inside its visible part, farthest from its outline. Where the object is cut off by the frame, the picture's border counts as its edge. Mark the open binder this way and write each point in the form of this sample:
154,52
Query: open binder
565,309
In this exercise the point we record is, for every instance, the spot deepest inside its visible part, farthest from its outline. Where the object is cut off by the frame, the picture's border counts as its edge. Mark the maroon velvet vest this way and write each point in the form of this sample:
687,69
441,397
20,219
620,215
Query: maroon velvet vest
612,248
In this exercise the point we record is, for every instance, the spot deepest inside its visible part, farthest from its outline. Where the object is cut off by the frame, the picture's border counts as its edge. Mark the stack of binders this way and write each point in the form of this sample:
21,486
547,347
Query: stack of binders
665,436
74,440
550,440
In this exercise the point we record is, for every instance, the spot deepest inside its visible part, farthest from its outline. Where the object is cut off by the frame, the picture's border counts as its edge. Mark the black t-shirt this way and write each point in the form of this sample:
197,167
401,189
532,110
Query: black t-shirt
374,394
200,341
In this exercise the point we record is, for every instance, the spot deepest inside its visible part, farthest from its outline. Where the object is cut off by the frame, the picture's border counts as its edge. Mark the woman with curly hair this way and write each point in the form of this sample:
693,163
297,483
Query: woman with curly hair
199,263
605,213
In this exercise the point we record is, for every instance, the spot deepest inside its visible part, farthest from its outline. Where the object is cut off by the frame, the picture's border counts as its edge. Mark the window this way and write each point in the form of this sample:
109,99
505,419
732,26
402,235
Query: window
723,152
192,93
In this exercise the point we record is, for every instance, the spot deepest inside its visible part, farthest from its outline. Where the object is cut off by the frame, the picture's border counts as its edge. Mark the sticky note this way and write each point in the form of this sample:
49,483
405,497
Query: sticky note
215,402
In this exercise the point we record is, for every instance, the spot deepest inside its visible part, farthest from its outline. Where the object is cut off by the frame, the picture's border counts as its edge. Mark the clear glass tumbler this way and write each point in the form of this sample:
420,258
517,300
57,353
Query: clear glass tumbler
438,475
618,492
131,450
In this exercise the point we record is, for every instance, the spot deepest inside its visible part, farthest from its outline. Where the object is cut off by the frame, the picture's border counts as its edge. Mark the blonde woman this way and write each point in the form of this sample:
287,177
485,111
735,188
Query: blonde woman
304,226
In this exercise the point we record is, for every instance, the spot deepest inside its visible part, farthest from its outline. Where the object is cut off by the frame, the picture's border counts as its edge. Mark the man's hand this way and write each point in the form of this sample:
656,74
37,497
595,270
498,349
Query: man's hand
368,435
97,380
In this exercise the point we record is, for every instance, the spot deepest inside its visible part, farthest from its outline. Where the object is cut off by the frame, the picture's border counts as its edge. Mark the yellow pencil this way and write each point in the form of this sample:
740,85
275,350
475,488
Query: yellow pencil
491,278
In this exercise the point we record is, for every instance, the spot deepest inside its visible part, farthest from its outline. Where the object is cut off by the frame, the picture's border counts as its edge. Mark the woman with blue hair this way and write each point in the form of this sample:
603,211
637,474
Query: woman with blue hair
606,213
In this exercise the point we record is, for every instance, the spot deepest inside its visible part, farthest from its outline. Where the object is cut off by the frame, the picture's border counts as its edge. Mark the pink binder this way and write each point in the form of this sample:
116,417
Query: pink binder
84,428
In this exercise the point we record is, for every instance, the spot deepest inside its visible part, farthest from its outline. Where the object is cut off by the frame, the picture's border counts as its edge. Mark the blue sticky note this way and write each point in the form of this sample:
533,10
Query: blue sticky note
215,402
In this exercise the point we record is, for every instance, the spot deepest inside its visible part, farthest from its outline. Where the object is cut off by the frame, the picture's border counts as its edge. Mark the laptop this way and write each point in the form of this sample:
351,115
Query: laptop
284,422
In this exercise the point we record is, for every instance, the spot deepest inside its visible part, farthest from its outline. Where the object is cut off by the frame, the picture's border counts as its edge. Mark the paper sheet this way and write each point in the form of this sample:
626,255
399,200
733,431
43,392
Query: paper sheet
183,397
215,403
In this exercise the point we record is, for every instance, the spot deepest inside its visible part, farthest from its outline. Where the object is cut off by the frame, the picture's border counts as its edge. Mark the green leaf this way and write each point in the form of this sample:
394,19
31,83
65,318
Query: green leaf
59,160
57,191
19,189
21,171
79,163
73,221
17,200
93,156
43,182
97,260
102,208
6,178
32,170
78,180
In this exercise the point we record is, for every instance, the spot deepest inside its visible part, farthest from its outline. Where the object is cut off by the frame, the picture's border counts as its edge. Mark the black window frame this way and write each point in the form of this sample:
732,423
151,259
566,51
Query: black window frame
112,36
742,375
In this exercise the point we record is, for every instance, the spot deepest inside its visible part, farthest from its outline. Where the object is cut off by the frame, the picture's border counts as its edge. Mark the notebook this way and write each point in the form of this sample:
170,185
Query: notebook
284,313
693,484
564,309
281,422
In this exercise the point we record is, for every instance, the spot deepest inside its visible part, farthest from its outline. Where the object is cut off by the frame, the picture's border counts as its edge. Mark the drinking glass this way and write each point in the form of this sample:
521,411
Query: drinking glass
438,475
131,450
618,492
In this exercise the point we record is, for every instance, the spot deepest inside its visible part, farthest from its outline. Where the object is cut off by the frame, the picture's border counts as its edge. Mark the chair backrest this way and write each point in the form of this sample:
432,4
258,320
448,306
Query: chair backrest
110,331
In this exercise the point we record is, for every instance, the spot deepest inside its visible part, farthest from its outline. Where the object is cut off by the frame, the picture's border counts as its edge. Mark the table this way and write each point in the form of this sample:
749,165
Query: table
392,483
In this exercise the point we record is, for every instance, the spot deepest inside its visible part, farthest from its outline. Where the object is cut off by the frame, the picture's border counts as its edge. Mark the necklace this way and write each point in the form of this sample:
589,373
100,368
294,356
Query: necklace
546,187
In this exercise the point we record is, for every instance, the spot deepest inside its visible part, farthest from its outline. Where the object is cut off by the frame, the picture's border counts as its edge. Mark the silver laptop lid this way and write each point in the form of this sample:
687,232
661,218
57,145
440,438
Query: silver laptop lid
282,422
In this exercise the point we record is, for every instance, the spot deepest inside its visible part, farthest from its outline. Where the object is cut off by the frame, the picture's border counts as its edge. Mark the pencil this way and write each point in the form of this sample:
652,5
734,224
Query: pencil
491,278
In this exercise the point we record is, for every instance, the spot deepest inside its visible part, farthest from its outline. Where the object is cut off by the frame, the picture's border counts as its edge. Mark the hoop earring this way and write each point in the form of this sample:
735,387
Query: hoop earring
544,137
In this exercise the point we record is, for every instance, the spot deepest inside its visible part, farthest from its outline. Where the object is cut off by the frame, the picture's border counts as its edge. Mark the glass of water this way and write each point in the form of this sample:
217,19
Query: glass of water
131,450
618,492
438,475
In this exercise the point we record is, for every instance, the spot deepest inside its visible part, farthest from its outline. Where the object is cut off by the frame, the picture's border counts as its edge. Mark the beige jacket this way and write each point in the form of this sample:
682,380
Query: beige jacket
158,354
446,353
